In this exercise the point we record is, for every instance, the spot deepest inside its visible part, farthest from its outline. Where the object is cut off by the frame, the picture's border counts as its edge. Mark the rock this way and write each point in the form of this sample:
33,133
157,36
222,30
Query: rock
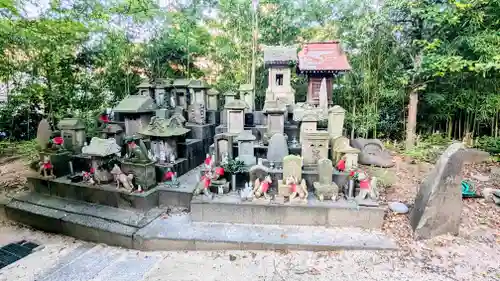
398,207
372,153
438,204
232,257
495,173
277,149
496,197
481,178
488,194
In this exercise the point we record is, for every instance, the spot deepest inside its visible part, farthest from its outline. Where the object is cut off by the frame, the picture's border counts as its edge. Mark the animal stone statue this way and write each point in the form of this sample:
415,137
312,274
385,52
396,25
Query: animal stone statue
298,192
121,178
261,188
46,168
203,185
438,205
372,153
367,188
246,194
137,153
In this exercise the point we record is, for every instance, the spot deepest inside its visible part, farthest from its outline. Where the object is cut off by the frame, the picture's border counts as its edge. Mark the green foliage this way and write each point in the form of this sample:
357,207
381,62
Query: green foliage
488,144
430,148
25,149
234,166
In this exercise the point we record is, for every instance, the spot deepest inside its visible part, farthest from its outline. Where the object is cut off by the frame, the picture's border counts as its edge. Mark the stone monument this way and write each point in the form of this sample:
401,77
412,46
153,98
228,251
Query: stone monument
325,188
372,152
73,133
277,149
315,147
212,100
309,124
438,205
197,113
275,112
336,116
246,94
235,116
246,142
137,111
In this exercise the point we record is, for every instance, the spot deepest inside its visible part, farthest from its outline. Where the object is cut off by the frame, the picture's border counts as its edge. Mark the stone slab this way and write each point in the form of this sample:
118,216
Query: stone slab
342,213
131,218
200,131
39,217
106,194
129,268
179,232
86,267
98,230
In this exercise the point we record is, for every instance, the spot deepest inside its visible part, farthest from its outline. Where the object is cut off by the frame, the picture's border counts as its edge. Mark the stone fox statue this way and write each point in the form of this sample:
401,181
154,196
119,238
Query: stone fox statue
261,188
121,178
137,152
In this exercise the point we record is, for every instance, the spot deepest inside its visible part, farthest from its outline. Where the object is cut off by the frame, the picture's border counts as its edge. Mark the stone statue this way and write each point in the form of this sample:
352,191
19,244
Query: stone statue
163,156
367,187
325,188
298,192
121,178
85,147
43,134
247,192
203,185
372,153
46,168
261,188
172,101
137,153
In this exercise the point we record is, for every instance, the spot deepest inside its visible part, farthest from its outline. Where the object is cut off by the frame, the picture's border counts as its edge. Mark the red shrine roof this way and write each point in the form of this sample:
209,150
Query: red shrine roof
323,57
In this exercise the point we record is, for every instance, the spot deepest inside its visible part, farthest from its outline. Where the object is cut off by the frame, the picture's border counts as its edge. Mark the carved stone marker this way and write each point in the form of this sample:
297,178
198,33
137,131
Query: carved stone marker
235,116
277,149
372,152
336,117
212,99
438,205
325,188
197,113
292,166
223,146
315,147
275,112
309,124
246,142
43,134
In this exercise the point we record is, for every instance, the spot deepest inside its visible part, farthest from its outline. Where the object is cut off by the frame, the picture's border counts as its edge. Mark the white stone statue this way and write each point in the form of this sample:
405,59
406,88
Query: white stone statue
85,147
163,156
172,101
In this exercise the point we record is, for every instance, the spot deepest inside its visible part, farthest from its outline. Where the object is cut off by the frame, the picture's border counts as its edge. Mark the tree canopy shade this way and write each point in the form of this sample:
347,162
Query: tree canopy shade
418,66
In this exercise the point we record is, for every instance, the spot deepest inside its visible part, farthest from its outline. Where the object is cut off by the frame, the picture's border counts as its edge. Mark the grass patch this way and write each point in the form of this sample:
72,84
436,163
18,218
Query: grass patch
25,149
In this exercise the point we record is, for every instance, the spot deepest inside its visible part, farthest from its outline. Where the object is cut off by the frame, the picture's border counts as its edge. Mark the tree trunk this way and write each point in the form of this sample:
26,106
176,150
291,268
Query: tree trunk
412,120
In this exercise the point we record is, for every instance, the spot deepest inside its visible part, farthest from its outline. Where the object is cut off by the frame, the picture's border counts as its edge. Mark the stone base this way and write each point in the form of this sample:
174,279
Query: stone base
144,173
205,131
60,161
107,194
181,166
326,191
231,209
213,117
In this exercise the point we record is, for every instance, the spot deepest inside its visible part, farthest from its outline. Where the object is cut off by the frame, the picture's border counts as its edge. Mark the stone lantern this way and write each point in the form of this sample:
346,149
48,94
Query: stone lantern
137,111
180,93
246,94
145,88
275,111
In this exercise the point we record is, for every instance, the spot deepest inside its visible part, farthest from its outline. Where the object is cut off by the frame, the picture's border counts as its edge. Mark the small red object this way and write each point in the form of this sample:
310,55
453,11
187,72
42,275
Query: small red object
104,118
293,187
47,165
58,140
352,173
206,182
208,160
364,184
341,165
168,176
219,171
92,170
265,186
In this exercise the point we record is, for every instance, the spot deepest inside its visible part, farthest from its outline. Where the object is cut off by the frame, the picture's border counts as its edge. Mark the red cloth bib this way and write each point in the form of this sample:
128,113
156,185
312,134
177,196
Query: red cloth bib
341,165
364,184
47,165
293,187
265,186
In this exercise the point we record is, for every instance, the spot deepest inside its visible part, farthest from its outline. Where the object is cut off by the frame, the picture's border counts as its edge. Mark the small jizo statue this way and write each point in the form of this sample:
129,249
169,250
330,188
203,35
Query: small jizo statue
298,192
46,167
261,188
367,187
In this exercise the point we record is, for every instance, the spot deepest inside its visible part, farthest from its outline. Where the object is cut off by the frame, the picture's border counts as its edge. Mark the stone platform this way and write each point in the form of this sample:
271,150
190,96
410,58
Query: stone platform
230,209
156,230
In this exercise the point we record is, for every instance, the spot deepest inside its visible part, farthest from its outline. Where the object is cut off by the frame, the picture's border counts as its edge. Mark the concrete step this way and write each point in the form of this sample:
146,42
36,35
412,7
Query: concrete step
89,222
178,232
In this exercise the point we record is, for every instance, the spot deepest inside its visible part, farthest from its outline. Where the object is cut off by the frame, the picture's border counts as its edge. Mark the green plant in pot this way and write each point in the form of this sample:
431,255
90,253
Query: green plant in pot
235,168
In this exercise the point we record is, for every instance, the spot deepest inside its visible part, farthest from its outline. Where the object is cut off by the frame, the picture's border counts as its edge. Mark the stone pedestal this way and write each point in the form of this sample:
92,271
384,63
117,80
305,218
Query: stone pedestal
309,124
246,142
275,112
60,161
144,173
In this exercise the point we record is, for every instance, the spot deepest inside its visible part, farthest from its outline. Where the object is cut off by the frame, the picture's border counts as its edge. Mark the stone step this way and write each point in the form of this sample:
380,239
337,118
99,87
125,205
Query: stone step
230,209
178,232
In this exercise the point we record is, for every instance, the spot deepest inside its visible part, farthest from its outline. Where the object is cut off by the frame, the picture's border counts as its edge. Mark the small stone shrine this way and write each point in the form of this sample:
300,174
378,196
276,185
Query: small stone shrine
112,130
223,147
73,133
246,95
309,124
137,112
180,92
164,135
101,151
213,99
246,142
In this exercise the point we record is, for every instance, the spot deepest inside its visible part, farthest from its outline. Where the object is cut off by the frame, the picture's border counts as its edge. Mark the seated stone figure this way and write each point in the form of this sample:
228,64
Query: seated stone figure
372,153
325,188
